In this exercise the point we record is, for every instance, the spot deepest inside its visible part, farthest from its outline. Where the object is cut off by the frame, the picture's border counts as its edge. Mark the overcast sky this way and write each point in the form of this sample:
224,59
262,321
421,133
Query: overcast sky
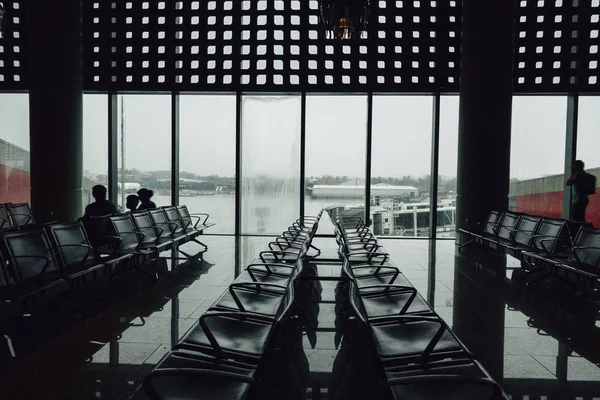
335,126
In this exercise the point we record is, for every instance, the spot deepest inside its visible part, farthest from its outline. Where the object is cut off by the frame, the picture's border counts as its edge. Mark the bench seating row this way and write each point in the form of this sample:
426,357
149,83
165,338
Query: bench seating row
394,335
222,356
567,249
39,262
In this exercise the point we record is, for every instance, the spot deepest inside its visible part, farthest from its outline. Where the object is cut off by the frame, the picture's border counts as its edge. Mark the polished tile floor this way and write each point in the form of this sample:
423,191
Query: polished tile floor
540,343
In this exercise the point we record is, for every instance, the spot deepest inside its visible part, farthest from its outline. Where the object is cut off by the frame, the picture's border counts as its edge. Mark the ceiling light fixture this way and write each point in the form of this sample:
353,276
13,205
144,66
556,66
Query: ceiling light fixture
345,19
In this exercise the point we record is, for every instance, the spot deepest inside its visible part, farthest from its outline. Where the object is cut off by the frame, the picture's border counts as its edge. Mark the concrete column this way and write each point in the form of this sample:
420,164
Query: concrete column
55,109
486,83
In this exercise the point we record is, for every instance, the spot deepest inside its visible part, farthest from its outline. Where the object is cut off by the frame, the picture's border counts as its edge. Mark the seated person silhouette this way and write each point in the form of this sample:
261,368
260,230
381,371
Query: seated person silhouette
101,206
145,196
132,202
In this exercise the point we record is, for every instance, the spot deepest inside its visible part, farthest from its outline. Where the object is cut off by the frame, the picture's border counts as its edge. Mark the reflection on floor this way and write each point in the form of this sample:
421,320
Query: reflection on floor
539,342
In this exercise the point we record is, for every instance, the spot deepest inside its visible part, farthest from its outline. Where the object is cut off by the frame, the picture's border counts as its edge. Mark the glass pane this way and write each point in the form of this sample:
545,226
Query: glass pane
336,129
207,158
270,163
448,166
537,155
401,165
14,148
95,144
588,144
145,142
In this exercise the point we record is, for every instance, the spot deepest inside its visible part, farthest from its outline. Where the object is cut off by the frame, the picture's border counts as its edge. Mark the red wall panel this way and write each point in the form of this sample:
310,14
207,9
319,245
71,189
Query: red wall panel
550,205
14,185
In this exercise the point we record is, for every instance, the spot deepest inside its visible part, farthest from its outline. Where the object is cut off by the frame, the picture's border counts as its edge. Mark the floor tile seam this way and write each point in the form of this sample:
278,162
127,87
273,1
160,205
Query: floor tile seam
543,366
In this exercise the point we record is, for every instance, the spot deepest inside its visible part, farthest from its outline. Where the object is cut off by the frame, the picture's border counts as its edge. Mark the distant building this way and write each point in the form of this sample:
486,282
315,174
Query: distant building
347,190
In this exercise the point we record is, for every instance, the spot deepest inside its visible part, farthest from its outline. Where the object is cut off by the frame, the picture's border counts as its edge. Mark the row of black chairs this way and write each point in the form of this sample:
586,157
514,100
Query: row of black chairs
15,215
39,262
392,335
223,355
569,250
148,233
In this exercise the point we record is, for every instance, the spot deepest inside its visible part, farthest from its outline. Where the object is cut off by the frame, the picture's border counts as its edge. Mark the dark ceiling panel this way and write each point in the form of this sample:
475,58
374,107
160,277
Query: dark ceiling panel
278,46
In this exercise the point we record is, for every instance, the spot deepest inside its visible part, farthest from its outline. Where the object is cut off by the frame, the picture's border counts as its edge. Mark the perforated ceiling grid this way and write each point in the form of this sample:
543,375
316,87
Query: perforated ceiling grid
557,45
277,45
13,47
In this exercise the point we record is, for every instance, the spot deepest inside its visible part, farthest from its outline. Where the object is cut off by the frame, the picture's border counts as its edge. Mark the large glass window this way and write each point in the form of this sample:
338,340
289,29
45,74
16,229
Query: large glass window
538,155
145,146
207,157
336,128
448,166
14,148
588,144
270,163
95,144
401,165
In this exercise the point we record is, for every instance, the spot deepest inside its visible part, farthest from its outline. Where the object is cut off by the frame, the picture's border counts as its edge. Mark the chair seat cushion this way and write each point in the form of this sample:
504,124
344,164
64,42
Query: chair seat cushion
393,303
411,339
263,277
254,301
232,334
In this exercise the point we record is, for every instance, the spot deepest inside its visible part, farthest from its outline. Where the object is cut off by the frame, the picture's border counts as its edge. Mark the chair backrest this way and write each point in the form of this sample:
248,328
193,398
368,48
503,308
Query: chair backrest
5,220
159,217
145,225
491,222
508,223
550,233
97,228
173,217
527,227
125,229
184,215
21,214
72,243
29,254
589,239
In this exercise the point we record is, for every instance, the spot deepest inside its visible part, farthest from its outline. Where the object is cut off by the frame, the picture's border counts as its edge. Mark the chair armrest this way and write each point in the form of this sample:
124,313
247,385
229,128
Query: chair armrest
276,253
87,246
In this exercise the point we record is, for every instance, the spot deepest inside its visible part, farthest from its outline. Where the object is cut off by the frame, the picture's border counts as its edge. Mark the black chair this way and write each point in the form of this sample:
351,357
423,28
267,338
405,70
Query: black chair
522,236
480,231
188,375
201,219
408,339
5,219
240,336
128,239
152,234
458,379
32,271
184,227
166,228
76,255
21,215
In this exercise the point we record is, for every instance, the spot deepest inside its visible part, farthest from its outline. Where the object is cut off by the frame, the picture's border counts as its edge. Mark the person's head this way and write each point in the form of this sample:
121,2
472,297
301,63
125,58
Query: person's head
99,192
578,166
145,194
132,202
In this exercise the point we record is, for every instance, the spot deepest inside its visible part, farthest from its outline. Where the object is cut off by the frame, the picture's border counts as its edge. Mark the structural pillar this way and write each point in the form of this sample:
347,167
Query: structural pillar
486,88
56,109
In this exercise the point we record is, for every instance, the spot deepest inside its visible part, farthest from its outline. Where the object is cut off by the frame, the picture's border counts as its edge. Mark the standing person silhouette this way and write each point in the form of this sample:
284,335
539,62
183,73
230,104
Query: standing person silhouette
101,206
582,185
145,196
